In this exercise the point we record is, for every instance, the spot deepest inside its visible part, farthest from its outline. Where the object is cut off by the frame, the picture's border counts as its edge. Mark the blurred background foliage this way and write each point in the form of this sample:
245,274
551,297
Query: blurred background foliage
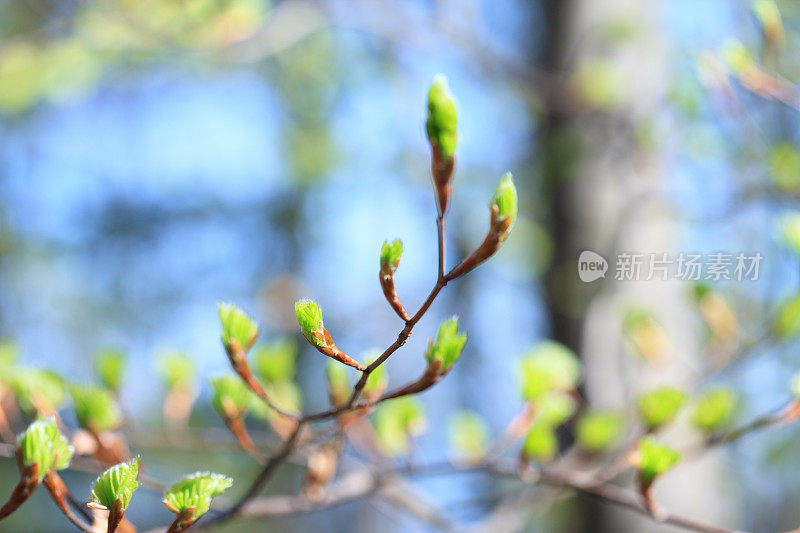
159,156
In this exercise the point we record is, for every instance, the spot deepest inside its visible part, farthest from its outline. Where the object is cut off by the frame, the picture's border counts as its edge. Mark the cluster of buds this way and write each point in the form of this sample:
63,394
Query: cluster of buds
390,260
503,214
443,137
309,317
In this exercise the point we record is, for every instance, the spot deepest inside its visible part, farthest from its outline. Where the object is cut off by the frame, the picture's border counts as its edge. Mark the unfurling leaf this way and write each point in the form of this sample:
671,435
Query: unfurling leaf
377,380
391,252
446,349
715,410
44,444
237,328
660,406
117,483
109,368
653,459
441,124
275,362
231,397
599,431
309,317
95,408
397,422
548,366
196,491
541,444
469,436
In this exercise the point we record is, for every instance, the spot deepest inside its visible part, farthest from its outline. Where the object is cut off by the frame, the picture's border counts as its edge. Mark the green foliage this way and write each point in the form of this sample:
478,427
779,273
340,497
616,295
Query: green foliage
8,357
275,362
231,396
196,491
236,326
548,366
786,323
715,409
599,431
38,389
309,317
447,347
660,406
505,198
441,124
540,444
44,444
655,459
396,422
95,408
469,436
117,483
109,368
176,369
784,167
391,252
555,408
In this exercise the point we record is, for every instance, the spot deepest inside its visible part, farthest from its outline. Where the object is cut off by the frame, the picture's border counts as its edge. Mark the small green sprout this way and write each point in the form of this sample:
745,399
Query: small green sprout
396,422
309,317
196,492
285,394
109,368
654,459
441,124
391,252
469,436
117,483
95,408
44,444
275,362
239,331
505,202
660,406
715,410
446,350
540,444
231,397
548,366
338,382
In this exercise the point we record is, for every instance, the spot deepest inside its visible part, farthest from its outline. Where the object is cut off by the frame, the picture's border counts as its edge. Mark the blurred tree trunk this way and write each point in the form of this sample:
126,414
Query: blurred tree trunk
604,184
